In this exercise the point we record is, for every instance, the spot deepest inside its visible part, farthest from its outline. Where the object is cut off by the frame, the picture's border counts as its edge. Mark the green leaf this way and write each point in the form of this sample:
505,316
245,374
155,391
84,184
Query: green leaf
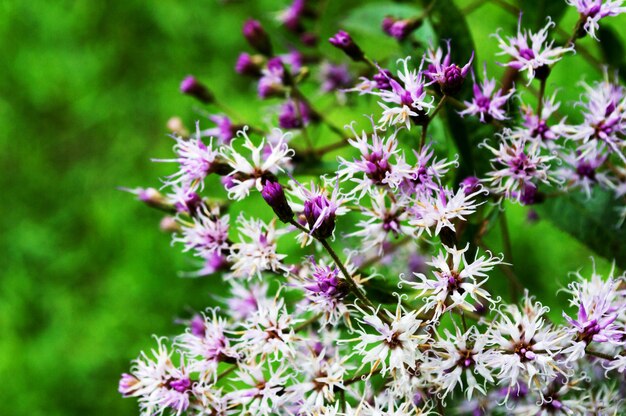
536,12
612,50
593,221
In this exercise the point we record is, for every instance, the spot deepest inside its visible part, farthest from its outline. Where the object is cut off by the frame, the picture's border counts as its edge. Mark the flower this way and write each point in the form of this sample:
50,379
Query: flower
206,234
294,115
395,344
266,387
320,209
158,383
334,77
256,250
325,290
583,171
265,163
441,208
591,11
486,104
407,100
518,166
448,75
457,356
458,283
400,29
525,345
206,345
530,52
195,159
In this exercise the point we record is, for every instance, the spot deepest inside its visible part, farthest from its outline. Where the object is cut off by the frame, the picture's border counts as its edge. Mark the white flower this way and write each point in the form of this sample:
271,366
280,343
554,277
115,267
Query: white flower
525,345
458,355
269,332
385,220
206,234
265,394
395,344
256,252
594,10
456,281
439,209
266,160
158,383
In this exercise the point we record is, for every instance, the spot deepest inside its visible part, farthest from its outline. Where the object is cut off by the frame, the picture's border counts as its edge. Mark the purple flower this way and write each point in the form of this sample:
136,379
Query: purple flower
224,129
196,325
274,195
487,104
326,282
194,88
293,115
470,185
273,79
291,17
342,40
257,36
591,11
441,70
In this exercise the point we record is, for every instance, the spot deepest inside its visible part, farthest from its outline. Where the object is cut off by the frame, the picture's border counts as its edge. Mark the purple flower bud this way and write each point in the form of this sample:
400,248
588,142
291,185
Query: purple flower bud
292,117
180,385
400,29
169,225
529,195
128,385
196,324
248,65
320,216
326,282
257,36
275,197
342,40
382,79
190,204
309,39
470,185
194,88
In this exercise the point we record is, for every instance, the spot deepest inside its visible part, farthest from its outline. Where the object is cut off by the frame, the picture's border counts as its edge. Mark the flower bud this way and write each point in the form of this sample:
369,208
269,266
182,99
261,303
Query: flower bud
342,40
249,65
169,225
470,185
257,36
274,195
400,29
176,126
320,218
192,87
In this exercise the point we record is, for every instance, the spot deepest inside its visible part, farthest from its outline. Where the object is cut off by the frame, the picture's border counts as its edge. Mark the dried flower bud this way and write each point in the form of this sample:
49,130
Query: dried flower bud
192,87
274,195
342,40
257,37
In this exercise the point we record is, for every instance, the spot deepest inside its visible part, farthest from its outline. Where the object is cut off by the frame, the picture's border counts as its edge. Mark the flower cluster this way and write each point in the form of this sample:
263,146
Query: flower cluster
361,283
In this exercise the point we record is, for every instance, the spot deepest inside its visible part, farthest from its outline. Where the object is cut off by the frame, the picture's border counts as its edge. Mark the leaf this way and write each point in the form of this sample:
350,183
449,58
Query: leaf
536,12
591,221
612,50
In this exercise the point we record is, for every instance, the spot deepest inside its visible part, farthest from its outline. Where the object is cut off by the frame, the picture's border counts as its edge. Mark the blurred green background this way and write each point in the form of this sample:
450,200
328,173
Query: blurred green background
86,277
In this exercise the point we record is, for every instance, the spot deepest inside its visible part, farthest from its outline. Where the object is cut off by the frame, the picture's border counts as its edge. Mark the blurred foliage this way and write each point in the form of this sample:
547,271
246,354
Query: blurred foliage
85,93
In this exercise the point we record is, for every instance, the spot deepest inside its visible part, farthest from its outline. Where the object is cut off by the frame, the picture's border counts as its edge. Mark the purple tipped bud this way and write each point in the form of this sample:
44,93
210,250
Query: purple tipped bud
319,216
257,36
400,29
309,39
292,117
194,88
169,225
128,384
180,385
275,197
197,326
382,79
342,40
470,185
249,65
326,282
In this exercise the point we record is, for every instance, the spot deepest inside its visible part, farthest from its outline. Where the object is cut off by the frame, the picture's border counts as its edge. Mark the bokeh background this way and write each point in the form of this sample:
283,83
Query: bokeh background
86,277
